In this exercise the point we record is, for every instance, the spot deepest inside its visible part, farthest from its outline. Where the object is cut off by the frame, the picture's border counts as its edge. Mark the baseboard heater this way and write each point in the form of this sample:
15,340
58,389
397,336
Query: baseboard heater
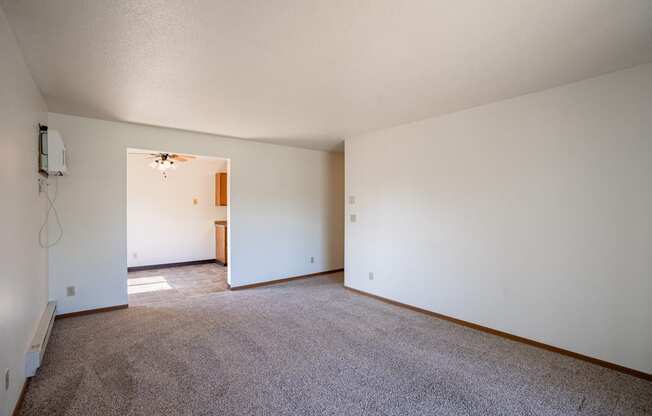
40,341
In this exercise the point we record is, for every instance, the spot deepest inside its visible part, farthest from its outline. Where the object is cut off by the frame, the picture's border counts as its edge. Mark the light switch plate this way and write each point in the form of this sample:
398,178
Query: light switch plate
354,218
351,199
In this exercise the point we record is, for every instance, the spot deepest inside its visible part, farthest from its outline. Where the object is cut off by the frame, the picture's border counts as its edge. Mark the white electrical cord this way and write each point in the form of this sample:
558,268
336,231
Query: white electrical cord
51,207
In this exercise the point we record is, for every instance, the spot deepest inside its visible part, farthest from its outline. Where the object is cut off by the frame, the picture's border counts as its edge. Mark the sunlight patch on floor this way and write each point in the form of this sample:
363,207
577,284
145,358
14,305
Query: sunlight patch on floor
147,284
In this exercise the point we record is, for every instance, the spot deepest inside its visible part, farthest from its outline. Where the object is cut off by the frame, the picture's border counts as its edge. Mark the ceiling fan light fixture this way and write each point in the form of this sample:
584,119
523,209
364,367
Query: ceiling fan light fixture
164,162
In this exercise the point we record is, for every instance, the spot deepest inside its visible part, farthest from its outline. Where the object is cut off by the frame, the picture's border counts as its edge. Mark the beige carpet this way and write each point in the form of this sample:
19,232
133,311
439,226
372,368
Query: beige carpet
309,347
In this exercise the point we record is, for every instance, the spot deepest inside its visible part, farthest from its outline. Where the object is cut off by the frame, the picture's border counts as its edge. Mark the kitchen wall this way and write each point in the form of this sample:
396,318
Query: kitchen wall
23,275
164,225
281,208
532,216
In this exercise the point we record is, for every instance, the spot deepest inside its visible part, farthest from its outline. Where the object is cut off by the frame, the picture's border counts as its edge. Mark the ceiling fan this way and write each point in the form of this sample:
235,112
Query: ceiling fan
164,161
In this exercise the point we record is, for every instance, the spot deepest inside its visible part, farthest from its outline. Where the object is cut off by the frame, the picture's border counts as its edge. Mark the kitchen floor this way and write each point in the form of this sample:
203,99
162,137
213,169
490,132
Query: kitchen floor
158,286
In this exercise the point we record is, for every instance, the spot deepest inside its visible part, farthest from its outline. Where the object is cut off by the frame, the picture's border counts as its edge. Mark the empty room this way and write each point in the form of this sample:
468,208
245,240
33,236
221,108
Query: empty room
335,207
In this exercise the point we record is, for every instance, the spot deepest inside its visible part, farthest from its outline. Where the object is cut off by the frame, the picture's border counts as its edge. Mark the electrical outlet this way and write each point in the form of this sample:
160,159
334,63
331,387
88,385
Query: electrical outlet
351,199
195,201
7,379
134,255
371,275
70,291
42,185
312,259
353,217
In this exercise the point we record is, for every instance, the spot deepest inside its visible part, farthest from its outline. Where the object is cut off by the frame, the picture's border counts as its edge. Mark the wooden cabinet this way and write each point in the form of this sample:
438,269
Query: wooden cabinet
220,189
220,242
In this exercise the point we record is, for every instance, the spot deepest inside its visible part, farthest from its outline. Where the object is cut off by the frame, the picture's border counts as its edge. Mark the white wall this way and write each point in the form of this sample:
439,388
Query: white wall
531,215
23,280
163,223
281,208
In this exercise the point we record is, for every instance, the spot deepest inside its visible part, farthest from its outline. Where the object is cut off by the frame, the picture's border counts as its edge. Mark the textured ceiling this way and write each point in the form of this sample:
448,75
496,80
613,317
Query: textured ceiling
310,73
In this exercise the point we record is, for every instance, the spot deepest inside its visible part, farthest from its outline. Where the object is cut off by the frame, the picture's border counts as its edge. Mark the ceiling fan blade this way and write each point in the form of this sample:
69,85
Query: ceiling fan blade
179,159
176,156
143,153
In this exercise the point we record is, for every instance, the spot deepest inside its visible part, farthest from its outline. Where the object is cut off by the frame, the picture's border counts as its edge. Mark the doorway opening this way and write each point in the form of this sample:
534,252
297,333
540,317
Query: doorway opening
177,226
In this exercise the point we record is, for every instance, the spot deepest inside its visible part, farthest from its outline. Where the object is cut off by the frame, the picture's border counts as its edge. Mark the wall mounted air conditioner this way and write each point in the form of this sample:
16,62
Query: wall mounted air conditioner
52,157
